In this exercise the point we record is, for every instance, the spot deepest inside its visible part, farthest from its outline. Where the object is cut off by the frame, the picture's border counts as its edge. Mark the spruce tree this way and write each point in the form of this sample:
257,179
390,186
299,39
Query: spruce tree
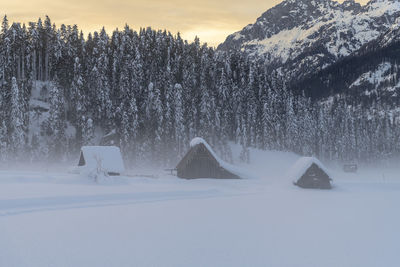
17,137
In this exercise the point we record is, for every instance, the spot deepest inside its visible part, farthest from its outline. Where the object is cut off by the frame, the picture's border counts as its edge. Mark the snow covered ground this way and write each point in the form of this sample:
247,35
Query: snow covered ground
61,219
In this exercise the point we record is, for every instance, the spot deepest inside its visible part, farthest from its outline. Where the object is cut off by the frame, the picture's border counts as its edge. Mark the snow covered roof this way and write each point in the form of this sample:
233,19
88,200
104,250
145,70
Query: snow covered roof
198,140
302,165
110,157
229,167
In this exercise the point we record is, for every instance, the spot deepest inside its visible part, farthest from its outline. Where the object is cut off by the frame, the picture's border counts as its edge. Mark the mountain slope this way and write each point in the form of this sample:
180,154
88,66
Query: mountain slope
300,37
370,76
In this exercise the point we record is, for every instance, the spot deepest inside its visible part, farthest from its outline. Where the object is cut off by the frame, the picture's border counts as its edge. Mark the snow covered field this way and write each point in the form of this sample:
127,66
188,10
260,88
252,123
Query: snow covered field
61,219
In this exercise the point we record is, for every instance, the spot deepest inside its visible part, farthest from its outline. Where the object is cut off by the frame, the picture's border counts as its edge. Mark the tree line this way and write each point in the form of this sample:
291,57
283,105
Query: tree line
157,92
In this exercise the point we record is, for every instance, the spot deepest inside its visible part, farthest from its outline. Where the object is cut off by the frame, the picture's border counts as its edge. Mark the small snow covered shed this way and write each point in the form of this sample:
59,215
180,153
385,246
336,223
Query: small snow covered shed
309,172
201,162
108,156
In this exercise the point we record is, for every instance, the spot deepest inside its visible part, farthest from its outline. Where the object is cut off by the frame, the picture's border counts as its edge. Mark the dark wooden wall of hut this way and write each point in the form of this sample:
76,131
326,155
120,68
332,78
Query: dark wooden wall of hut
81,160
200,163
314,177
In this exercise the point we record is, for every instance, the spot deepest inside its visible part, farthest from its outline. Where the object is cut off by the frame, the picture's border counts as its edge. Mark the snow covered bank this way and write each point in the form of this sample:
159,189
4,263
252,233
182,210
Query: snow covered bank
62,220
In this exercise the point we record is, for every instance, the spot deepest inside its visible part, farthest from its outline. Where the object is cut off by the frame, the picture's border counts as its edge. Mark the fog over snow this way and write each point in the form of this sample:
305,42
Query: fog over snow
62,219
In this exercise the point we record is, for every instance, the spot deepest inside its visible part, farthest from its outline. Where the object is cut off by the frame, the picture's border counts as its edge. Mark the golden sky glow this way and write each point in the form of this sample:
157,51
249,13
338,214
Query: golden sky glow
211,20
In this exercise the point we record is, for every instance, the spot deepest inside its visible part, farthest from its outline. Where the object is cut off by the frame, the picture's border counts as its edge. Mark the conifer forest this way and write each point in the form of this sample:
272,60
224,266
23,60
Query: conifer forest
61,89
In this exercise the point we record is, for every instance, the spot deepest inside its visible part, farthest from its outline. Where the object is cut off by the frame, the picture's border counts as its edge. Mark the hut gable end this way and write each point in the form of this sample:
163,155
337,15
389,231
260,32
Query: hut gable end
201,162
309,172
197,152
81,160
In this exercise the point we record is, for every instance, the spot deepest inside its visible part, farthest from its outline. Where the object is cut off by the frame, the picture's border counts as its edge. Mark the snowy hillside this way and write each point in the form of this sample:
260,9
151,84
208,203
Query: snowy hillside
59,219
40,118
367,78
302,36
378,79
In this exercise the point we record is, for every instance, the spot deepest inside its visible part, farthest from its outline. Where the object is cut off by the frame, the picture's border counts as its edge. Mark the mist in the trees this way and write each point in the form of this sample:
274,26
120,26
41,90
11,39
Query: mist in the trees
157,92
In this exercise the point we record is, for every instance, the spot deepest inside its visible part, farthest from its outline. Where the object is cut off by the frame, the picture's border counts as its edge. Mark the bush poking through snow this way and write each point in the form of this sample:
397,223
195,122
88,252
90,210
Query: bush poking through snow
98,174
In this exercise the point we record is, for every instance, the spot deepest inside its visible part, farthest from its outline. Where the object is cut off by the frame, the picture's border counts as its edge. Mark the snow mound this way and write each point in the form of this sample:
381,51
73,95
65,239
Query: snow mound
229,167
301,166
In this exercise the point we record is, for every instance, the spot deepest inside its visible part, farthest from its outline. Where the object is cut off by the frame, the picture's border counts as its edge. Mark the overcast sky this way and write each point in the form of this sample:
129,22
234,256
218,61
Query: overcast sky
211,20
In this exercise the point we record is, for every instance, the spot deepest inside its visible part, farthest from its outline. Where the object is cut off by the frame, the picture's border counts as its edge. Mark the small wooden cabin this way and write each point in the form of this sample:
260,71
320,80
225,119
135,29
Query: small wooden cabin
201,162
309,172
350,168
108,157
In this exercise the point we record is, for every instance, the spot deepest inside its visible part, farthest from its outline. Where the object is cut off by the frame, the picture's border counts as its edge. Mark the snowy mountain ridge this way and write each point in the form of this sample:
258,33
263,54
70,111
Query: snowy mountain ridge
301,36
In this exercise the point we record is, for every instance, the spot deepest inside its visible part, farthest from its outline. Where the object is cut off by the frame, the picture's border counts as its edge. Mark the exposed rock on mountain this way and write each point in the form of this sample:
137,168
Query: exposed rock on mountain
302,37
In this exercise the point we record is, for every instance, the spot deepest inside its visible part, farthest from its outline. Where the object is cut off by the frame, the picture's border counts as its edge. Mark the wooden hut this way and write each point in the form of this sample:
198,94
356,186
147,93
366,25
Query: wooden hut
201,162
309,172
107,157
350,168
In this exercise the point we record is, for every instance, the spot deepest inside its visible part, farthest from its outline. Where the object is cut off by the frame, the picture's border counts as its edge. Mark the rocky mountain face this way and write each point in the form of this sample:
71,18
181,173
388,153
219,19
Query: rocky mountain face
370,76
299,38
